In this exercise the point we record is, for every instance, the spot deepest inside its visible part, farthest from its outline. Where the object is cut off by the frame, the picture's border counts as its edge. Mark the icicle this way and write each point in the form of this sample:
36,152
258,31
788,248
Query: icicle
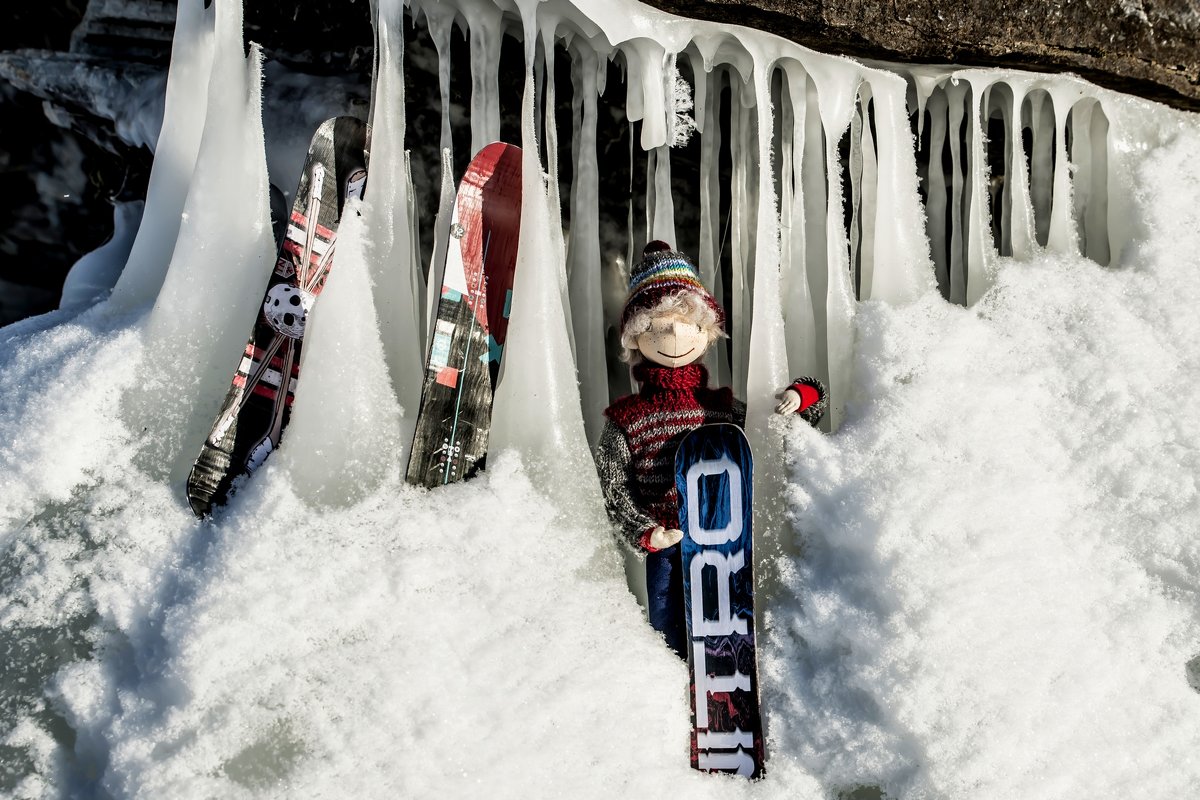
767,364
1062,237
174,156
1080,154
584,267
896,265
925,83
799,321
854,169
1096,219
419,278
870,190
441,239
485,22
1021,227
388,225
1091,135
550,127
743,211
712,230
1041,171
721,48
836,89
648,60
979,240
631,234
345,409
956,99
936,202
222,259
440,19
815,254
651,193
699,89
663,225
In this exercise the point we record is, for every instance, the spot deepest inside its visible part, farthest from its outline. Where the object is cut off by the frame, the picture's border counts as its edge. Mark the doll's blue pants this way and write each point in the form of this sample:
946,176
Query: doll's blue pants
664,597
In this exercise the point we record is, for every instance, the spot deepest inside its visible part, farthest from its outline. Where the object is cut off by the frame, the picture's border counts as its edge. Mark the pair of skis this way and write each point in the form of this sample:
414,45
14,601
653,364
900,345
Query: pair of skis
467,342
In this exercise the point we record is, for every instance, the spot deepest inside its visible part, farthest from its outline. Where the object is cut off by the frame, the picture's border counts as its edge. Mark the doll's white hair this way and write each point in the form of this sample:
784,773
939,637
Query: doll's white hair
688,305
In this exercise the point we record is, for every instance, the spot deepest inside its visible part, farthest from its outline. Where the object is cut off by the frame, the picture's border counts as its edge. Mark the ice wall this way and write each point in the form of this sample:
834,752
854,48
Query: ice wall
822,205
1013,163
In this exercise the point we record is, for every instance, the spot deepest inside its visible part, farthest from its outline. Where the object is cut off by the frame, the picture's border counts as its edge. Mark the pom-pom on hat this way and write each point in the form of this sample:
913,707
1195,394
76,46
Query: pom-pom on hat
664,272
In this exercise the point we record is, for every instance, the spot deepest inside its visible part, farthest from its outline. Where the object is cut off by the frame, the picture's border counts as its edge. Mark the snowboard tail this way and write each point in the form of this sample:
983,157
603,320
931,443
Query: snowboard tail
467,340
257,406
713,475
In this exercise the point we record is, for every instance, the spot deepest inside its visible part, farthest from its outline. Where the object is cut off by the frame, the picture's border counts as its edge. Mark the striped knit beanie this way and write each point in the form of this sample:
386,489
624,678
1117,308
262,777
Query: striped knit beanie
664,272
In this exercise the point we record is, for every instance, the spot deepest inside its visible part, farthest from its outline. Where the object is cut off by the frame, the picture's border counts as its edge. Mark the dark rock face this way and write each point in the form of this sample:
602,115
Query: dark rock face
61,167
1149,48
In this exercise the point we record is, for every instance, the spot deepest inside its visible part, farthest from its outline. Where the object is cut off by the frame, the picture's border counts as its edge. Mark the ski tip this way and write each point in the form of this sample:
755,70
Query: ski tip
498,150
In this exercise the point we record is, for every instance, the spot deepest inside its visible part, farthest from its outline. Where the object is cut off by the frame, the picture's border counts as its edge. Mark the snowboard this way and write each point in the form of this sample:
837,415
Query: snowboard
467,340
257,406
713,475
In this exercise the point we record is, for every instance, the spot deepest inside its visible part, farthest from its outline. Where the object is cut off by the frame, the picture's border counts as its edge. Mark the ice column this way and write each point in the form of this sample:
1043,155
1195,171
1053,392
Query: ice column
742,229
956,98
936,208
712,231
1062,237
1021,229
440,18
800,324
174,156
767,362
221,262
815,188
345,408
583,255
485,22
899,262
397,277
1089,139
550,128
837,86
979,246
1041,183
536,408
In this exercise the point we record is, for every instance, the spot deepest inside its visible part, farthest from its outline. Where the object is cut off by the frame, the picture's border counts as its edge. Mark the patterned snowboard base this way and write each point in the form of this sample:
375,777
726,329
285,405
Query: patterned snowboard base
467,341
713,475
258,405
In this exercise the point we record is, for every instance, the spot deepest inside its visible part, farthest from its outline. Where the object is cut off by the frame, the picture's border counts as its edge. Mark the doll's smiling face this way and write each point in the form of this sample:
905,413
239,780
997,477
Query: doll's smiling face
672,341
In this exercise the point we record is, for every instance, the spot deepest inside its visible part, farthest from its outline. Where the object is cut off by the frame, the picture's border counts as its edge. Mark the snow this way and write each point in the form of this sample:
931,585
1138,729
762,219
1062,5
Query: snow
982,581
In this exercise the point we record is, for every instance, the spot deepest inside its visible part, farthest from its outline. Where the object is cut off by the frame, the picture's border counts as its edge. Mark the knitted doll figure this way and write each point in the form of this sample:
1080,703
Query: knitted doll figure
669,321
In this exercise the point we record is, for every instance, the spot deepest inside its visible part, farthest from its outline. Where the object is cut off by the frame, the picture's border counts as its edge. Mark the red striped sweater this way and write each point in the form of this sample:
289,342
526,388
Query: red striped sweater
636,452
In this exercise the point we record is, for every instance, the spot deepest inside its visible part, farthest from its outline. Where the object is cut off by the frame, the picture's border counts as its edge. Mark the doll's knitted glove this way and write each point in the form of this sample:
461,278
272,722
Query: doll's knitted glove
661,538
806,396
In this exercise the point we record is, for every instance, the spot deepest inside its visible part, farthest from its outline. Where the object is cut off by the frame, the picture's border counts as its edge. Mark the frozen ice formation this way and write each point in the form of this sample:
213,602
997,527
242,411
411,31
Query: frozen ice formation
812,192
